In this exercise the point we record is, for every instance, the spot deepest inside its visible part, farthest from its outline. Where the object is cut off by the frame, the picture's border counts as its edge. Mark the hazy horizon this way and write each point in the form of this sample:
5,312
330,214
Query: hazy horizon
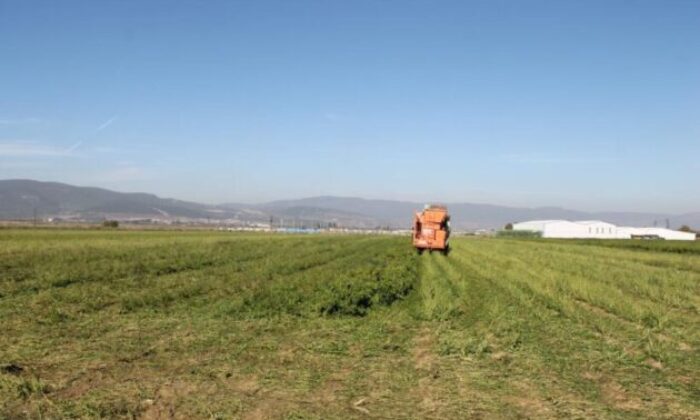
591,106
414,201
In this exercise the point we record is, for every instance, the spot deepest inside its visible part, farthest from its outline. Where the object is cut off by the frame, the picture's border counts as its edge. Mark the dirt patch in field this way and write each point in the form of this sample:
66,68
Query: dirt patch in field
423,355
684,346
270,404
531,407
529,401
91,378
425,362
286,354
164,404
248,385
267,408
331,390
591,376
615,395
501,356
654,364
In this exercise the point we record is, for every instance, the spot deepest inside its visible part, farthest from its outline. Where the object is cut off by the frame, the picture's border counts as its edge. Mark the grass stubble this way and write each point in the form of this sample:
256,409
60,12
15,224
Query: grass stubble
220,325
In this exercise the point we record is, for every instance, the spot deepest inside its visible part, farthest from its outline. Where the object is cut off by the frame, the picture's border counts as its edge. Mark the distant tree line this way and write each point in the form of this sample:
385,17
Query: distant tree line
518,234
113,224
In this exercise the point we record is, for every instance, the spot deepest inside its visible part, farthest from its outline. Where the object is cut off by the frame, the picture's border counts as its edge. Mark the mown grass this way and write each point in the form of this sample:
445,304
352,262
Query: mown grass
679,247
204,324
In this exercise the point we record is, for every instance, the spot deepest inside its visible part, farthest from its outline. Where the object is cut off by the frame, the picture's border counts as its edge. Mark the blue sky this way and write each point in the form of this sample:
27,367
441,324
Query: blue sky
589,105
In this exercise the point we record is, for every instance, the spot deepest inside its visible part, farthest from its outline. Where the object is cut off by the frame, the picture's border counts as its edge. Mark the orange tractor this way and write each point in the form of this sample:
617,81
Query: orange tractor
431,230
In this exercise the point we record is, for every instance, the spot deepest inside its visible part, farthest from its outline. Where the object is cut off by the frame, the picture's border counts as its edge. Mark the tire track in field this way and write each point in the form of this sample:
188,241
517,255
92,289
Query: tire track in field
427,392
439,295
449,386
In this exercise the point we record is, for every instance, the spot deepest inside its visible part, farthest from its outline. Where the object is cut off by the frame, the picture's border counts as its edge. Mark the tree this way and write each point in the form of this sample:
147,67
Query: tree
110,224
686,228
509,226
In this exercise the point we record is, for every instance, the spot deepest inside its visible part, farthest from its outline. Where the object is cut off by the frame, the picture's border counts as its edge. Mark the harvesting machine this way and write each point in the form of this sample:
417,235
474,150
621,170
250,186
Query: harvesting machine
431,229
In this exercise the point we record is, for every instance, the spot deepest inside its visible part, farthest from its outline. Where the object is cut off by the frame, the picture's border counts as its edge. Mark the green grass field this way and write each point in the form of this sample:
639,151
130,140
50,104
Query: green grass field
221,325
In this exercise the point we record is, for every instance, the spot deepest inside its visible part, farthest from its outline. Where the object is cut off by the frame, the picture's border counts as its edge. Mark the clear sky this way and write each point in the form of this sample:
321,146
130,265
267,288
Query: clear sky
593,105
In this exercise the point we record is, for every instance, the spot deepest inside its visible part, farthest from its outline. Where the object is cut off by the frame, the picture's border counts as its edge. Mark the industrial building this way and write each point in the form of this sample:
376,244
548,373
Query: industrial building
596,229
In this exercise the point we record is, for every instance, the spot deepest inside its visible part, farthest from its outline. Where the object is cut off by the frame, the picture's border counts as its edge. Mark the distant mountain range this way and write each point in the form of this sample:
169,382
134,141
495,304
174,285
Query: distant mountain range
22,199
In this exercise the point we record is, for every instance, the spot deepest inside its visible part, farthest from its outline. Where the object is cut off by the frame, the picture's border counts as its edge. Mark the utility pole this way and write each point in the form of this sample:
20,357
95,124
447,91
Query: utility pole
35,219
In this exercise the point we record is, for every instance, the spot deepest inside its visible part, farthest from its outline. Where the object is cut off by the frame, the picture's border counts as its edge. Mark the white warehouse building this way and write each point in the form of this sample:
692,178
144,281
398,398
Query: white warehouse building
596,229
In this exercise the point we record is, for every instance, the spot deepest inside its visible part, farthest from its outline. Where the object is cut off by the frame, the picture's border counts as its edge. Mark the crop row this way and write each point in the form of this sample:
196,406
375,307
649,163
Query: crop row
240,275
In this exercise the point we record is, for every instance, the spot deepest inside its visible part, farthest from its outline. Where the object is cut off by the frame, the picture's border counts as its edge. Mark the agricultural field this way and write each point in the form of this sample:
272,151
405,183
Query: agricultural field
162,324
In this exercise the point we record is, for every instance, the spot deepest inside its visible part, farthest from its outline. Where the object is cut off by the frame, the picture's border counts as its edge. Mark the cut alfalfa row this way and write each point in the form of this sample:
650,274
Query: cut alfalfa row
350,280
356,292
